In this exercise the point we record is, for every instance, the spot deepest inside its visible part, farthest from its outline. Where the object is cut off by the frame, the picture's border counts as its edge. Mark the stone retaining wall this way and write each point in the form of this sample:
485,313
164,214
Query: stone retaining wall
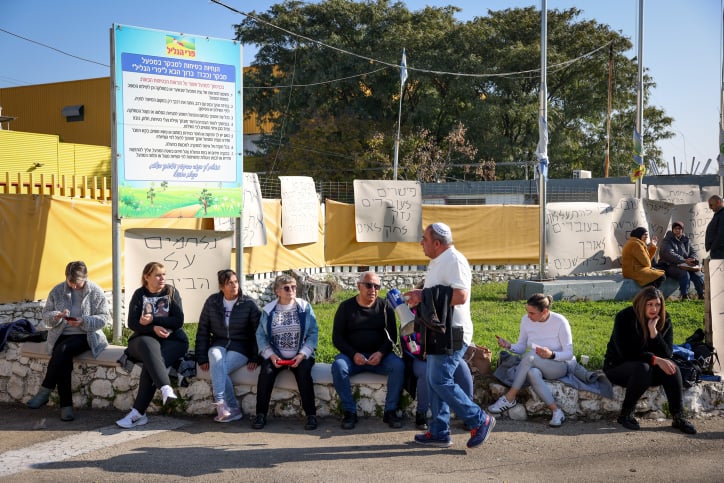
110,387
103,387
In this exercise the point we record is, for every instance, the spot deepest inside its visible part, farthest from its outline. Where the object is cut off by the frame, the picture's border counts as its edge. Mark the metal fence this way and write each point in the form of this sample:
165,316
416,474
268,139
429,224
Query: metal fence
496,192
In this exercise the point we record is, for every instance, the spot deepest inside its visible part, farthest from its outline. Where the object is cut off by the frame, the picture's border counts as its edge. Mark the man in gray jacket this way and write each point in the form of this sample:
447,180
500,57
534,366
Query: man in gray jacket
678,258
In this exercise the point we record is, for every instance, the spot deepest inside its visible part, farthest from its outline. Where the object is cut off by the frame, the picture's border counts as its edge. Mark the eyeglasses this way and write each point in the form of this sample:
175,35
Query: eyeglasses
290,288
372,285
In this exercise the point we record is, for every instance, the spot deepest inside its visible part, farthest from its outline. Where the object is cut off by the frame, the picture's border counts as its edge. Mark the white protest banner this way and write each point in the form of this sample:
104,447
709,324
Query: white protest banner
611,194
658,214
715,279
254,229
676,194
708,191
579,238
300,210
628,213
387,211
191,259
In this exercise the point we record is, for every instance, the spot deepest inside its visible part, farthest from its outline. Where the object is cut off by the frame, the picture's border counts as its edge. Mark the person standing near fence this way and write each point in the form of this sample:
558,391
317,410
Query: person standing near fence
714,239
448,273
75,313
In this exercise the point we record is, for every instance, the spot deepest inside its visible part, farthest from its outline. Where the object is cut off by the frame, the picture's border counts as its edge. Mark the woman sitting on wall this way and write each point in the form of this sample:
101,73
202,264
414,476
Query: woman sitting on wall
636,259
157,341
226,341
548,336
287,338
638,356
75,313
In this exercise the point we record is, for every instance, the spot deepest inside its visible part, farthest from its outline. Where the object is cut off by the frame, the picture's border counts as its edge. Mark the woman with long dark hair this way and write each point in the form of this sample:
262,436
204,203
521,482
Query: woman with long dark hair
638,356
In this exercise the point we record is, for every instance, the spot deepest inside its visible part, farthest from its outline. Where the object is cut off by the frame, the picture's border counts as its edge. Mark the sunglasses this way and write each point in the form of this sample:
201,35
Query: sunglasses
372,285
290,288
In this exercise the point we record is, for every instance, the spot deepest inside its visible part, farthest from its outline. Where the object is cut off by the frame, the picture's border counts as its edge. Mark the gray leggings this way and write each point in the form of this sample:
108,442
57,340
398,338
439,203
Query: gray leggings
534,368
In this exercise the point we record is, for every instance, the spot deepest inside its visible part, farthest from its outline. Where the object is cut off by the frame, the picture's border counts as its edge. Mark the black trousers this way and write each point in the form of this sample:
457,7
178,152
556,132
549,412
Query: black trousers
305,384
157,355
60,367
638,376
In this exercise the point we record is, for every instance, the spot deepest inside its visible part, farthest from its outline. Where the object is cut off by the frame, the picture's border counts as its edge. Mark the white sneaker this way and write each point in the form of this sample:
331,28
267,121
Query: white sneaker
234,415
167,393
557,419
501,405
222,411
132,419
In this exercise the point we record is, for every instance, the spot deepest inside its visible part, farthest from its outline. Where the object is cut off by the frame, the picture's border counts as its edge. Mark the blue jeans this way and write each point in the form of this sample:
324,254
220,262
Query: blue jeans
445,394
462,377
221,364
343,368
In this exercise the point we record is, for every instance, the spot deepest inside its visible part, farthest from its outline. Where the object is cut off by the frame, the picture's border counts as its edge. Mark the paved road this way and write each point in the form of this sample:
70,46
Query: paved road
36,446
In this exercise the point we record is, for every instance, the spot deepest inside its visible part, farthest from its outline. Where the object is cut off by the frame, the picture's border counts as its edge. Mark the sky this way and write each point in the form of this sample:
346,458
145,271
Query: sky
682,48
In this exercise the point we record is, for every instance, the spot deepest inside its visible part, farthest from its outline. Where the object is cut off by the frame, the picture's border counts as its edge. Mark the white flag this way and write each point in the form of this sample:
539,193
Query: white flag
403,68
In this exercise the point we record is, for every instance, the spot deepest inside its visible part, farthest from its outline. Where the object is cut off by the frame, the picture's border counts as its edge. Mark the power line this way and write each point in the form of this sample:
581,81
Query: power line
409,68
53,48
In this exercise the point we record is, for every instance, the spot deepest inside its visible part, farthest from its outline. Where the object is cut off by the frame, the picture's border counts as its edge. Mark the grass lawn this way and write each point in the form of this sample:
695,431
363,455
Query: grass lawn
591,322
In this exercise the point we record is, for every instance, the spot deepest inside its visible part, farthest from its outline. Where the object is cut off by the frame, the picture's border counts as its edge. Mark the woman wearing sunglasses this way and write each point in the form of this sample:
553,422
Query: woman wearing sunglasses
287,338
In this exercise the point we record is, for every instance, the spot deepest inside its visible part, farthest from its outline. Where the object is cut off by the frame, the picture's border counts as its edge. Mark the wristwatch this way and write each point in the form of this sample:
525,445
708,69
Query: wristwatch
553,355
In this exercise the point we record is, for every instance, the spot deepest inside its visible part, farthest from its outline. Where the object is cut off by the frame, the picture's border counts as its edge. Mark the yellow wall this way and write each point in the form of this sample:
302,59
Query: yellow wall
38,110
21,151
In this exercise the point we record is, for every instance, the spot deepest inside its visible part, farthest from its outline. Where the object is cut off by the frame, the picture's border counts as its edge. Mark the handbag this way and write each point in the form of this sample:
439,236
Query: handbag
478,358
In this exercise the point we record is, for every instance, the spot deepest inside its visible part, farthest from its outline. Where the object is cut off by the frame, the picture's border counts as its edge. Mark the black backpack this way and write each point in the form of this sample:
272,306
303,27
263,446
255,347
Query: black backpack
704,354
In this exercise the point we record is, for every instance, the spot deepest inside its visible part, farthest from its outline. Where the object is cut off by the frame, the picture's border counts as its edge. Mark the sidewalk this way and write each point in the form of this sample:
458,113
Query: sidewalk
171,449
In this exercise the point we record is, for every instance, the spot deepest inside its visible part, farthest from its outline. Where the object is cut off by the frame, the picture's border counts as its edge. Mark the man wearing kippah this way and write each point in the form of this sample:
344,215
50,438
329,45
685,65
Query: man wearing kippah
450,269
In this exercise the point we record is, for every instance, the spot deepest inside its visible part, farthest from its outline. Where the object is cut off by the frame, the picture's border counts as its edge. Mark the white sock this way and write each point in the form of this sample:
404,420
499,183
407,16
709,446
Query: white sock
167,392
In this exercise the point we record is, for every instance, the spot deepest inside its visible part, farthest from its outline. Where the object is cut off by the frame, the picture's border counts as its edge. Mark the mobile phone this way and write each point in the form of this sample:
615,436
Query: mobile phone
72,319
285,362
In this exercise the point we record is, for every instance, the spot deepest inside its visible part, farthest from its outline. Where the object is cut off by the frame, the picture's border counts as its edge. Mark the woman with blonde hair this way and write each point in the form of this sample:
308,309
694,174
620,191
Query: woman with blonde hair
158,339
638,356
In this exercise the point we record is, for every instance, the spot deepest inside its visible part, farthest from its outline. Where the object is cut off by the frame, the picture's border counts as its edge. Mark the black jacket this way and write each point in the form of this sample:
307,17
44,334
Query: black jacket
433,319
239,336
627,341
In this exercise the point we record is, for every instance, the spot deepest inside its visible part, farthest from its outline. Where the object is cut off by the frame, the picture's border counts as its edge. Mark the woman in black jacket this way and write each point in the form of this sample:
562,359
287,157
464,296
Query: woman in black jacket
156,316
638,356
226,340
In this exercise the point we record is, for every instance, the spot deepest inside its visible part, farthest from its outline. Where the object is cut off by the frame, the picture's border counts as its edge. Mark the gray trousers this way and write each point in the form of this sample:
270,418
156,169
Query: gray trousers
534,369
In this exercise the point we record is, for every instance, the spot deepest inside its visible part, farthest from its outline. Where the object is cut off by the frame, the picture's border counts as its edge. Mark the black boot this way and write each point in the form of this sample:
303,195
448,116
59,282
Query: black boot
682,424
627,420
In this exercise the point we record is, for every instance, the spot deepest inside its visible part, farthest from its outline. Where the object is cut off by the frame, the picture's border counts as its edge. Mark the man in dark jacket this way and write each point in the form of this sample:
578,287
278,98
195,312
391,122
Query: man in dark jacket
678,258
714,241
364,328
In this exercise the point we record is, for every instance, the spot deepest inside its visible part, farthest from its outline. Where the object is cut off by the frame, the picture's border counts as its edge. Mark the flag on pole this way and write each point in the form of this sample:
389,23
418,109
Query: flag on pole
542,150
403,68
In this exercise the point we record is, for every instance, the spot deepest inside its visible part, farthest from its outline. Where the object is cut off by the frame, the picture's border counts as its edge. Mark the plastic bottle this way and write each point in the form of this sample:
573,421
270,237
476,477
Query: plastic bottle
394,298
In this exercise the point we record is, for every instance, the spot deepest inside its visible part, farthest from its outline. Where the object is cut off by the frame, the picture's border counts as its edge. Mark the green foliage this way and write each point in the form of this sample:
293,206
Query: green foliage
348,126
591,322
